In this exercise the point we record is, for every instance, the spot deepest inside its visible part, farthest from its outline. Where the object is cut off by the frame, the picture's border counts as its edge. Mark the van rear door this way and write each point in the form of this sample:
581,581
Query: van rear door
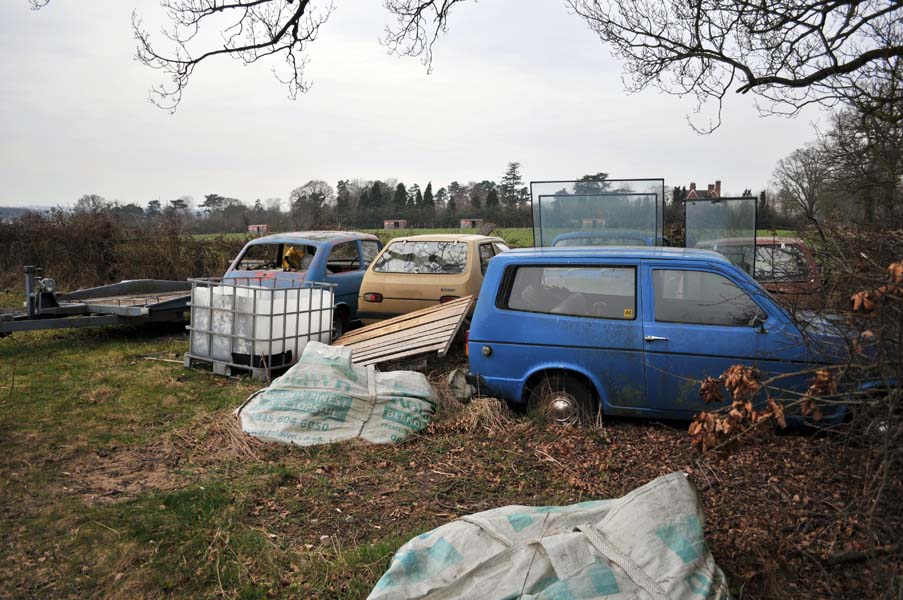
580,317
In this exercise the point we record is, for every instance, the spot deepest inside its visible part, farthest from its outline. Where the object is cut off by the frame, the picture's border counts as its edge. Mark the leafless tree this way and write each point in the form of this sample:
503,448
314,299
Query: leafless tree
788,52
802,177
864,145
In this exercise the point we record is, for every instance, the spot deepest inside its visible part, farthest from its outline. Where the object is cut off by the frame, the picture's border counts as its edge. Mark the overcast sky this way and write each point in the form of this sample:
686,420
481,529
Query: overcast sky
512,81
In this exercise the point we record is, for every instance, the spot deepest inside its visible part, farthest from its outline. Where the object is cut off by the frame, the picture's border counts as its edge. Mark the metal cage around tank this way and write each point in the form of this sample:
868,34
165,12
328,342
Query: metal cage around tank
256,324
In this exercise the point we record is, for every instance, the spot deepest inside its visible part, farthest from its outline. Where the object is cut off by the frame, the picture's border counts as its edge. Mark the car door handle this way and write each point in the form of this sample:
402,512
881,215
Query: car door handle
655,338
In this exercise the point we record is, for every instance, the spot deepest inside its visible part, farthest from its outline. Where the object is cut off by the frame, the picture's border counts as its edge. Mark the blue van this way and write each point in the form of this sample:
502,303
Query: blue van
286,259
632,331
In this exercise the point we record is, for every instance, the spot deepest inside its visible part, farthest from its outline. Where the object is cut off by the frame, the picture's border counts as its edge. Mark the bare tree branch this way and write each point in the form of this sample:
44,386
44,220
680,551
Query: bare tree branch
418,25
251,30
790,53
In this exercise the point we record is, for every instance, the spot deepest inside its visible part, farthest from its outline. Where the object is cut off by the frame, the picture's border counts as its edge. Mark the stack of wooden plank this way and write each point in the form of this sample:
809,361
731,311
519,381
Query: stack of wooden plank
420,332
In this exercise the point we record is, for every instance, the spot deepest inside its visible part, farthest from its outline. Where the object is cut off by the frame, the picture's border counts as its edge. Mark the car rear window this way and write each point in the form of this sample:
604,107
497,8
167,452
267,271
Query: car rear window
442,258
600,292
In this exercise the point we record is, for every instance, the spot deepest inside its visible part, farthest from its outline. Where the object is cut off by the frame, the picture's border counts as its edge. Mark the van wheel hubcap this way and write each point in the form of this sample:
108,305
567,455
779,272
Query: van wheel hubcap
564,410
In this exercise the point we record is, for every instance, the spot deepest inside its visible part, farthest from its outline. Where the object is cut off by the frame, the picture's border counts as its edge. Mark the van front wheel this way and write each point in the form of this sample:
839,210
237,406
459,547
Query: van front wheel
562,399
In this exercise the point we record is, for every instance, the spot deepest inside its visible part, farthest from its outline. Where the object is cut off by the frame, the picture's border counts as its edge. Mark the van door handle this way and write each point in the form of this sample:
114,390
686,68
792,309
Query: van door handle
655,338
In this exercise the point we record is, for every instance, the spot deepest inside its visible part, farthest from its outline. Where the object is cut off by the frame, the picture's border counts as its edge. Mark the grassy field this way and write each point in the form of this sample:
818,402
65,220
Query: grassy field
124,475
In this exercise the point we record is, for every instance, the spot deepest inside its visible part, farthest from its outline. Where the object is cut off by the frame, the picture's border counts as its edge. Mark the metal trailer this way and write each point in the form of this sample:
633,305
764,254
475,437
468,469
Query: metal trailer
126,302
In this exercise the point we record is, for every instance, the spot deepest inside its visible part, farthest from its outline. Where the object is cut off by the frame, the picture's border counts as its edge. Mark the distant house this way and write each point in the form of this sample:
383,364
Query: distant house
592,223
395,224
471,223
258,229
713,191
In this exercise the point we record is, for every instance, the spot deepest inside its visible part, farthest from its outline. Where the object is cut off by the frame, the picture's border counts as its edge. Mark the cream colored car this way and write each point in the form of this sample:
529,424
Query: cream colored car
424,270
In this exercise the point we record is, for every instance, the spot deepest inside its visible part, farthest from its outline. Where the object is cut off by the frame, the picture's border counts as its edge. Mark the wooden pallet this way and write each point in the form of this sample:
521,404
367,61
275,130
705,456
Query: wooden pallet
420,332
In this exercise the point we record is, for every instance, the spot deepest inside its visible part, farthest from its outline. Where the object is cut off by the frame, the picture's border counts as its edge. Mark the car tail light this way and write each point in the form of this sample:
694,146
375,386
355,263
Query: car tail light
371,297
444,299
467,343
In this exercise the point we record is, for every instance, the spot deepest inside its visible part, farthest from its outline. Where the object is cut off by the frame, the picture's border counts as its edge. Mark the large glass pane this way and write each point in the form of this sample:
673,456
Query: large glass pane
598,213
725,225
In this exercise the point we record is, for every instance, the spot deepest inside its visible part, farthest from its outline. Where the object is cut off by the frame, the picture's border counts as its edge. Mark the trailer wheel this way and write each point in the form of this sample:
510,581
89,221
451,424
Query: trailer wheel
562,399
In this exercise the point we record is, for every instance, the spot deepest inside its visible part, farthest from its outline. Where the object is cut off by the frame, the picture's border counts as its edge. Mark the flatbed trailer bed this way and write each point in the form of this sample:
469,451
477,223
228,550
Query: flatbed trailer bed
126,302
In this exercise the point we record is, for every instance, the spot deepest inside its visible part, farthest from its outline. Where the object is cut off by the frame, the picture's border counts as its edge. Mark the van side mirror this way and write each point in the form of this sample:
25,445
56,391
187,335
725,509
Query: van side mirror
758,323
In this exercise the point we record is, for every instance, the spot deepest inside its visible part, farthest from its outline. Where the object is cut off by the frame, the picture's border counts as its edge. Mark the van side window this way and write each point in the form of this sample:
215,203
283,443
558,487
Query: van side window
370,250
601,292
343,257
701,298
486,253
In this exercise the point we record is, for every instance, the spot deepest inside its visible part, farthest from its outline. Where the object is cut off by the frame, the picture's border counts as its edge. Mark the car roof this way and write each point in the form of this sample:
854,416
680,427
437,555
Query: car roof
449,237
611,252
313,238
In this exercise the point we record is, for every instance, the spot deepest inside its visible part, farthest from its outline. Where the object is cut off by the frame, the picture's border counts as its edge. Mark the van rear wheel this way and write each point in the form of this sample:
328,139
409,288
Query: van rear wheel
562,399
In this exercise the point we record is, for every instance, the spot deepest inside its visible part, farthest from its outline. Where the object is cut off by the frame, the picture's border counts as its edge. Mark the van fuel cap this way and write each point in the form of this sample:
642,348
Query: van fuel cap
486,350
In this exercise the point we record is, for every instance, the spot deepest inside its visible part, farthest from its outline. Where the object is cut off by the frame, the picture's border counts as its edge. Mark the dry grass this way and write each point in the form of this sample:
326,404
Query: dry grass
155,492
489,414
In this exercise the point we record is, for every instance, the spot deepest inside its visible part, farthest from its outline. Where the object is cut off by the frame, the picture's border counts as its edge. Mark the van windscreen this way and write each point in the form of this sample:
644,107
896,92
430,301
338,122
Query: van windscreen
442,258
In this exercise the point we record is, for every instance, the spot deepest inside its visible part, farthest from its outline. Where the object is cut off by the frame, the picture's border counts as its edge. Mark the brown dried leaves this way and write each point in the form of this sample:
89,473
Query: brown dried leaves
711,391
741,381
823,384
710,430
867,301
